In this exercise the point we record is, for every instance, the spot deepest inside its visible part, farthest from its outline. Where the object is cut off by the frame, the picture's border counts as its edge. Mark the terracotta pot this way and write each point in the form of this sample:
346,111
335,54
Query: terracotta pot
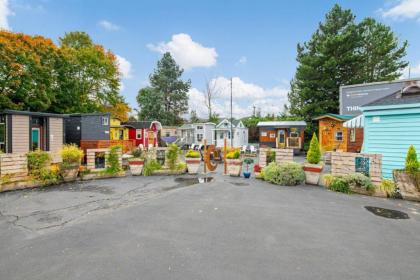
193,165
407,184
136,166
312,173
234,167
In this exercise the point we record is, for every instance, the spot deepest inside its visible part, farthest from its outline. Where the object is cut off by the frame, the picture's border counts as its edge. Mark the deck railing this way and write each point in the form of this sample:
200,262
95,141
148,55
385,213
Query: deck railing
127,145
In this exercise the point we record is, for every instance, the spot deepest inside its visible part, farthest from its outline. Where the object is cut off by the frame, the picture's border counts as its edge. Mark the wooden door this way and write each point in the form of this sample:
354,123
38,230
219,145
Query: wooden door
327,138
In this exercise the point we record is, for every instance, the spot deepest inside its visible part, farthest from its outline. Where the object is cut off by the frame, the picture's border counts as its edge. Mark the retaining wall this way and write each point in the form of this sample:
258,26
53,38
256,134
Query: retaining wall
282,155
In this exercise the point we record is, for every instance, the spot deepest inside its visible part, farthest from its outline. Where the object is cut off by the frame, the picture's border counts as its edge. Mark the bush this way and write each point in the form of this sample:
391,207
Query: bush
314,153
388,186
113,162
182,166
340,185
193,154
71,155
257,168
49,175
411,163
172,154
233,154
150,166
271,156
328,178
37,160
358,180
286,174
137,153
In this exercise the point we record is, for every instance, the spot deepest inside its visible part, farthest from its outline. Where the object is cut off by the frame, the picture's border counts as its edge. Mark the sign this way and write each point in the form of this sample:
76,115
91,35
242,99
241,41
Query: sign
362,165
354,96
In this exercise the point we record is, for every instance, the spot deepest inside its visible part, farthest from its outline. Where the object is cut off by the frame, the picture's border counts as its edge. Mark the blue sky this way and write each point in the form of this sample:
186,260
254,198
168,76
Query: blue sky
252,41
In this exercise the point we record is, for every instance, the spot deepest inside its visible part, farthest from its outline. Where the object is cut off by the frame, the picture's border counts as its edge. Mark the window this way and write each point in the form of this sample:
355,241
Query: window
138,133
264,134
3,134
221,135
199,127
338,136
167,134
272,135
105,120
353,135
199,137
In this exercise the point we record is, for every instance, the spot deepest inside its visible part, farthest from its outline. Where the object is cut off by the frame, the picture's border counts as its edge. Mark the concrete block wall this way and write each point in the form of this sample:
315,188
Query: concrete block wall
282,155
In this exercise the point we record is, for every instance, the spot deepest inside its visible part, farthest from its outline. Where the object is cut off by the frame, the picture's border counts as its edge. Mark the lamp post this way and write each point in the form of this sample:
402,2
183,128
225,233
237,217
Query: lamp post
231,113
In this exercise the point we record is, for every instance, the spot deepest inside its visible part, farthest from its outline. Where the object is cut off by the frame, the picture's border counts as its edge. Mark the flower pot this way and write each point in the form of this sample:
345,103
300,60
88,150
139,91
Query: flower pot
408,184
312,173
136,166
234,167
70,172
193,164
247,174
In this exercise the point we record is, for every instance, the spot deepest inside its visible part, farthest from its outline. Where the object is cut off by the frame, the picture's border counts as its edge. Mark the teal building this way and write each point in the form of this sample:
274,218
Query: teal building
391,125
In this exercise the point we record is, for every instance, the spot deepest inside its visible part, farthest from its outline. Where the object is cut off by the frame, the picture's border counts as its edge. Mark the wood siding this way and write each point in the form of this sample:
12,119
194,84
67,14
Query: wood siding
20,134
356,146
56,134
327,131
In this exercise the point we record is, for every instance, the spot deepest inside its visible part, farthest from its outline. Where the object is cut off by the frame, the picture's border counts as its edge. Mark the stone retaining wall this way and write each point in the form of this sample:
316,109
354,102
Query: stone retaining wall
345,163
282,155
13,167
90,158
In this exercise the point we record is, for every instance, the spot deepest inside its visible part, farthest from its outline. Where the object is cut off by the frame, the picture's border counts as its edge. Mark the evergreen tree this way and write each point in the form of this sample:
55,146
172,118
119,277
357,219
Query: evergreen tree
412,164
314,152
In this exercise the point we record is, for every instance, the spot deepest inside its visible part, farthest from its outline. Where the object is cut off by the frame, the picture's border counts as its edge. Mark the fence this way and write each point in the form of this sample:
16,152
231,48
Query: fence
282,155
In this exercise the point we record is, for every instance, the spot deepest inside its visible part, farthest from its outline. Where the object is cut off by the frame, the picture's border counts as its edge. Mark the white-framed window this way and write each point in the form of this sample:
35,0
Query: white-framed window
199,127
264,134
272,135
199,137
105,121
338,136
353,135
139,133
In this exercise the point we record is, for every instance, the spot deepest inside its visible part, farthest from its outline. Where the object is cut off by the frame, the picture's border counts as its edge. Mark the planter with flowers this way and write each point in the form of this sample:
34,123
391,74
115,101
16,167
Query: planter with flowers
257,171
234,163
248,161
313,167
136,162
71,157
193,160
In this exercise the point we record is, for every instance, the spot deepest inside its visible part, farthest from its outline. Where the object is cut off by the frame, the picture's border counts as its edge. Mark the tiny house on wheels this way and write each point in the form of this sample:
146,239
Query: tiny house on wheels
223,130
391,125
144,133
334,136
282,134
24,131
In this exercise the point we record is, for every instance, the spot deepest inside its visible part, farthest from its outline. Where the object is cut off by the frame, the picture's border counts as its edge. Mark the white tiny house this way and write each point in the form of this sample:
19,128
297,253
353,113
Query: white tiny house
239,133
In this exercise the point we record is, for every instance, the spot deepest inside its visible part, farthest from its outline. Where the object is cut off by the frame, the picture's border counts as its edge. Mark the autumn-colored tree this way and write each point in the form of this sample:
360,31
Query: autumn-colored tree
120,111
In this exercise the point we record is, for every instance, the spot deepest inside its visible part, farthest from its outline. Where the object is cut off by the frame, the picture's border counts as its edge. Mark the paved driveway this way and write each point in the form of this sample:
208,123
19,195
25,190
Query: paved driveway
156,228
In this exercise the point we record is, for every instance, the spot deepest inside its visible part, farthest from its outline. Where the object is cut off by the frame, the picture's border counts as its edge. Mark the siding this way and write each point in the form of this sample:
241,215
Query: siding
56,134
92,128
391,136
20,134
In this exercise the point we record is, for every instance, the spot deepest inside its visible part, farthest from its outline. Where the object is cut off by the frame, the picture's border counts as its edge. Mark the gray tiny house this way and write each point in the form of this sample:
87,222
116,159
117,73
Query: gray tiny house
87,127
24,131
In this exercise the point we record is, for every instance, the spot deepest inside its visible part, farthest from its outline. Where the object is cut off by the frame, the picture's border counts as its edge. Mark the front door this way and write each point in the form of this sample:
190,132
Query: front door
36,138
327,139
281,138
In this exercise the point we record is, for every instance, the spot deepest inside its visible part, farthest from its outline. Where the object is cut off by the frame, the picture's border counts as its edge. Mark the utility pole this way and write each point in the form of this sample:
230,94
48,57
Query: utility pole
231,114
254,110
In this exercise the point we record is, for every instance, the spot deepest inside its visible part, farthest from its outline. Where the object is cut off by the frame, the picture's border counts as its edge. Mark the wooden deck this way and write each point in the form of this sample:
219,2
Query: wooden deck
127,145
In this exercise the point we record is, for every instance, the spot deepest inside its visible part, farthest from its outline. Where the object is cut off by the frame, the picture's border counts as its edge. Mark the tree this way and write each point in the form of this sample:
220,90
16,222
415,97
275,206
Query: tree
150,104
341,52
210,93
412,164
193,117
214,118
165,82
119,110
314,152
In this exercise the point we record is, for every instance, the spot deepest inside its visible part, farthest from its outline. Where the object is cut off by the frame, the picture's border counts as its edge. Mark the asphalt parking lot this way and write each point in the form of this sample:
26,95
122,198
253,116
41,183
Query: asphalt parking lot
229,228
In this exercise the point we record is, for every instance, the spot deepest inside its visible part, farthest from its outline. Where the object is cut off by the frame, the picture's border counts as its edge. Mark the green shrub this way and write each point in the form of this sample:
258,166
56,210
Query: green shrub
271,156
359,180
37,160
314,153
172,154
328,178
49,176
411,163
193,154
150,166
388,186
113,162
285,174
340,185
182,166
233,154
71,155
137,153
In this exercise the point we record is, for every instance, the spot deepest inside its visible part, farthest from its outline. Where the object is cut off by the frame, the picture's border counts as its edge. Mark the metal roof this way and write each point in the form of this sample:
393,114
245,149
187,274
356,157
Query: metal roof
335,116
29,113
282,123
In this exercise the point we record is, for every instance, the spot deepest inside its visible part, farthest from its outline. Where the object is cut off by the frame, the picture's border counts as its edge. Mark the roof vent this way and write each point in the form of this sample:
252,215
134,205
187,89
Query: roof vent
411,90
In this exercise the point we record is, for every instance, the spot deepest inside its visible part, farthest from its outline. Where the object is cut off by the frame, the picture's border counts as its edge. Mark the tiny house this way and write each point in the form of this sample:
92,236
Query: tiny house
391,125
117,130
143,132
223,130
196,133
87,127
334,136
24,131
169,134
282,134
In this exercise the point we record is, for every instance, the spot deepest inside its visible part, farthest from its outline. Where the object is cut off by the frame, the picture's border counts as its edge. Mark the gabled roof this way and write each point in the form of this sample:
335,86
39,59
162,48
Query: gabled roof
335,116
282,124
396,98
235,123
138,124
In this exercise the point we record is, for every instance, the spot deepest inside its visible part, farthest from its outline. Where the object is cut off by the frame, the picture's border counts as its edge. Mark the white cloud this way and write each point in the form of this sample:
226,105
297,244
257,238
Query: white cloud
243,60
411,72
124,66
187,53
4,13
245,97
107,25
403,9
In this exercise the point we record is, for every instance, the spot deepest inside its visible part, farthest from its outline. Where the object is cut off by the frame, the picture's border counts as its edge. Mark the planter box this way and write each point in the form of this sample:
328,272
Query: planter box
136,166
234,167
193,164
407,184
312,173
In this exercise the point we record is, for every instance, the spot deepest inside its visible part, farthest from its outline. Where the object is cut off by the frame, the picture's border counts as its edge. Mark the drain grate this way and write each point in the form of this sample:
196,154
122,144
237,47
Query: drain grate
387,213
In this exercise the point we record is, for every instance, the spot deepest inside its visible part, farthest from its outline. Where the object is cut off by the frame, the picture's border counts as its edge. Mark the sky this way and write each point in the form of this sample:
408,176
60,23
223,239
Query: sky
252,42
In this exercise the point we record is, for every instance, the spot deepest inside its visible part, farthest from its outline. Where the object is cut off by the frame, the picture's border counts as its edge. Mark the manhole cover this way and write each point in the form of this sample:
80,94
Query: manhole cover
387,213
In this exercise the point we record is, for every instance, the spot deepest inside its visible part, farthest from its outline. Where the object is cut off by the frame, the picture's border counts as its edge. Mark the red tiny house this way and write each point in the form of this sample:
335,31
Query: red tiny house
144,132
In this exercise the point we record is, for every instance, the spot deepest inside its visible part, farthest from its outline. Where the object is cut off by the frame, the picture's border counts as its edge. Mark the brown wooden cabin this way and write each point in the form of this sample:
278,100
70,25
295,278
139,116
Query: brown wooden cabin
282,134
333,136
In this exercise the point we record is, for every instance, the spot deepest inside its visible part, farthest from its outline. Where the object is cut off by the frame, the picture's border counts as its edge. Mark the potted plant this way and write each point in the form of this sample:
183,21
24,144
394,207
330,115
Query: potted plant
313,166
248,161
408,179
234,163
193,160
71,157
136,162
257,171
